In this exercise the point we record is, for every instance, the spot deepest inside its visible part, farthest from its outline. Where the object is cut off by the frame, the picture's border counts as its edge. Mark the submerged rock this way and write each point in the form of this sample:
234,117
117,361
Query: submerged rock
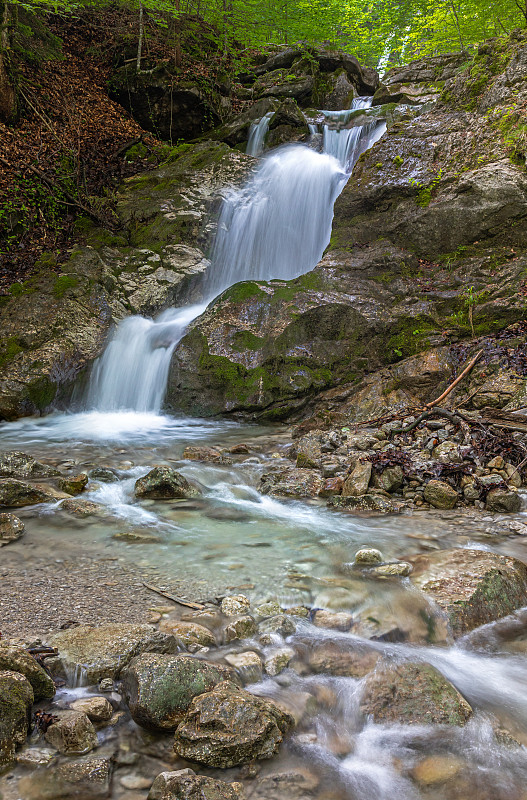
16,699
81,508
412,694
186,785
16,659
97,709
229,726
188,632
103,652
11,528
160,688
85,779
75,484
472,586
165,483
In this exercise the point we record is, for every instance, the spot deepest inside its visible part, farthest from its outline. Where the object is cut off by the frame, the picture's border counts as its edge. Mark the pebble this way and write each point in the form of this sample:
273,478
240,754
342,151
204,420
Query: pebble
368,555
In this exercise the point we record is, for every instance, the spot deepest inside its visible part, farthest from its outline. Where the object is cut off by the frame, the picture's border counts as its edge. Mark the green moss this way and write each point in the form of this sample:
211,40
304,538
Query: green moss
9,349
410,338
42,393
101,237
242,291
245,340
63,283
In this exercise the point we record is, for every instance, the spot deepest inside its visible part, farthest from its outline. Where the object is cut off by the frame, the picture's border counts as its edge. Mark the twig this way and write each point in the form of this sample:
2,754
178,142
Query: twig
178,600
122,150
455,383
53,185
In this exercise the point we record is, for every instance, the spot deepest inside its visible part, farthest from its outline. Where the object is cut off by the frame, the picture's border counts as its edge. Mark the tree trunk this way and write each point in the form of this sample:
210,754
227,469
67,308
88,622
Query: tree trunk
140,40
177,47
7,91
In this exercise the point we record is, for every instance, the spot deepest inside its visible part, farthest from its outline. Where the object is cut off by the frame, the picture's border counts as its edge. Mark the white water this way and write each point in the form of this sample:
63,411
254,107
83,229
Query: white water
257,132
276,226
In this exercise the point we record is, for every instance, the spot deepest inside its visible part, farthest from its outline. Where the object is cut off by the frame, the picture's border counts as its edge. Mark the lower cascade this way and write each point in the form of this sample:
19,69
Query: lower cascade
276,226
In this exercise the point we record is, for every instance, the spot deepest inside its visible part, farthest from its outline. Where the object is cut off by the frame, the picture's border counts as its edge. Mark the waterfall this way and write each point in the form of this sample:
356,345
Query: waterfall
257,131
276,226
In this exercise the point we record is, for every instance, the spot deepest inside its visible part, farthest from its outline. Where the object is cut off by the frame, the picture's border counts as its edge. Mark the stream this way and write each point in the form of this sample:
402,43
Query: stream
297,553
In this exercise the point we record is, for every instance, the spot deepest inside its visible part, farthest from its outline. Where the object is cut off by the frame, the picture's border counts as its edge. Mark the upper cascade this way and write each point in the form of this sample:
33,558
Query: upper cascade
275,227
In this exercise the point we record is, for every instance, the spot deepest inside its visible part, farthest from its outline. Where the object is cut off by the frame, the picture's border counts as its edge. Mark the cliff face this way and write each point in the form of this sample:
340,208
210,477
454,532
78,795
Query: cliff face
428,250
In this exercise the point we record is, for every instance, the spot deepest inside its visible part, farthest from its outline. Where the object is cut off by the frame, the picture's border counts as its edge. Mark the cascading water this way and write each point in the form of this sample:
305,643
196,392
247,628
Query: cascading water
257,132
276,226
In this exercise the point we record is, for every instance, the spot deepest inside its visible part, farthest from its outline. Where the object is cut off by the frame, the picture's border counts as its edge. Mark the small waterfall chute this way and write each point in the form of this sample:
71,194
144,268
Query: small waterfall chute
257,133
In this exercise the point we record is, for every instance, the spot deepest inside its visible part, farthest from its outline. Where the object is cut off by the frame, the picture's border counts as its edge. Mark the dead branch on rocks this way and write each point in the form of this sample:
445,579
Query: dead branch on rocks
178,600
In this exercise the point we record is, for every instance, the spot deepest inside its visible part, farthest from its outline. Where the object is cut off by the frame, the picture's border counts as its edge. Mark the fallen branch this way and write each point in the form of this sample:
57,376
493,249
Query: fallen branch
455,383
178,600
122,150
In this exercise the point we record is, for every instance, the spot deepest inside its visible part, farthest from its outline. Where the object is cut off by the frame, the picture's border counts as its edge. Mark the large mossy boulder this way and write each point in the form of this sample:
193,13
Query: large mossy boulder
159,688
89,654
15,464
411,693
16,700
473,587
16,494
229,726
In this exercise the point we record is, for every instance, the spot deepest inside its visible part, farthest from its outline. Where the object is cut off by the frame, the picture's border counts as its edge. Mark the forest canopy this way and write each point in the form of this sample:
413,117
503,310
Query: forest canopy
378,32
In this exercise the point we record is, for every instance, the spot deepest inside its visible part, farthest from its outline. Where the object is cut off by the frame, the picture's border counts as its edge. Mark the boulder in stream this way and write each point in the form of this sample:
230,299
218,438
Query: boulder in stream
165,483
16,699
16,464
159,688
72,734
472,586
16,659
412,694
186,785
15,494
229,726
11,528
103,652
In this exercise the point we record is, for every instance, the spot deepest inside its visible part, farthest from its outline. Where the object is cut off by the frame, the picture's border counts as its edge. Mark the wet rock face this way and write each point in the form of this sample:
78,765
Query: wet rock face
66,318
228,727
164,483
103,652
186,785
160,688
16,699
171,112
412,694
474,587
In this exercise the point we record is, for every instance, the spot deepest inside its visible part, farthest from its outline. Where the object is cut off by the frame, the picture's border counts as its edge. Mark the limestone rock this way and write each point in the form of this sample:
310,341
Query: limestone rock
472,586
16,699
16,464
233,605
368,555
400,569
97,709
412,694
329,658
389,480
291,482
503,501
206,454
73,734
15,494
188,632
11,528
164,483
160,688
85,779
357,482
277,661
440,494
248,665
186,785
16,659
81,508
337,621
240,628
229,726
75,484
103,652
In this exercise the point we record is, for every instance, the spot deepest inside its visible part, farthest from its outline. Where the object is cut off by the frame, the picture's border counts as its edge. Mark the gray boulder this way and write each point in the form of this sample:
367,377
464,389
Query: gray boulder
165,483
16,699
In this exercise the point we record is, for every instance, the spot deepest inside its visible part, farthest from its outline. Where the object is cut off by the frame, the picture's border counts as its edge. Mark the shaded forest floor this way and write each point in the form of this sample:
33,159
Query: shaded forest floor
70,144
